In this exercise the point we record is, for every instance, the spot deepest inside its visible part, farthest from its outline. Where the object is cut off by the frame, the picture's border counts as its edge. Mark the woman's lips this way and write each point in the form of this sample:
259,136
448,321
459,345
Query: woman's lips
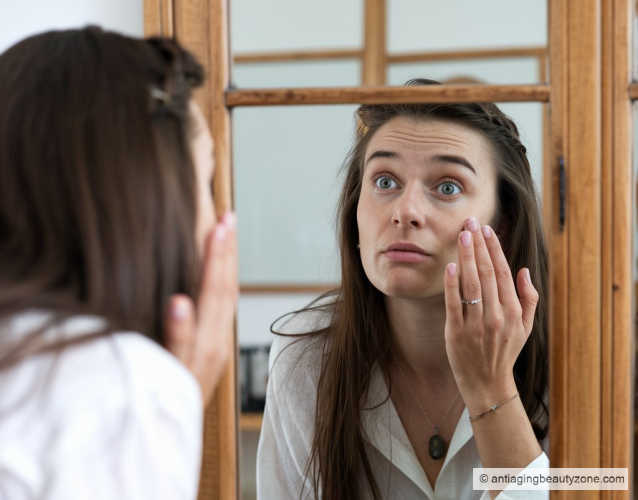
405,256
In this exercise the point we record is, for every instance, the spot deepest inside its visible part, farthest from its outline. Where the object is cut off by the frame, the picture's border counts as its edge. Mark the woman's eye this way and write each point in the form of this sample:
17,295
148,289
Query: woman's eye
384,182
448,188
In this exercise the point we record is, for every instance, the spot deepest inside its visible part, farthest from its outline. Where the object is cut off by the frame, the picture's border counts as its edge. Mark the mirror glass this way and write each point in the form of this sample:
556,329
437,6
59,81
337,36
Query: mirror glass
287,159
286,43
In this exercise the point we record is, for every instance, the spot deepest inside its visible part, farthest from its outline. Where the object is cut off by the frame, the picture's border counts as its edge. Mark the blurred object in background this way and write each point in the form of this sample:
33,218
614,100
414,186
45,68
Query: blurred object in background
253,377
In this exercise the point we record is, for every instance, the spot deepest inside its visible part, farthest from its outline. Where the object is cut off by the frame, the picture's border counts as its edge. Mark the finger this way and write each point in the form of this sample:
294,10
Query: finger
528,297
485,269
212,276
504,281
228,267
234,260
470,284
453,306
179,328
229,292
211,345
230,258
219,296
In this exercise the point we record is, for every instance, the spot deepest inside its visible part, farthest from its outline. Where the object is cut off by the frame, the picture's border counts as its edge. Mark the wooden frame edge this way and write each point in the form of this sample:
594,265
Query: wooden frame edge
387,95
373,64
296,55
158,17
326,54
557,238
621,284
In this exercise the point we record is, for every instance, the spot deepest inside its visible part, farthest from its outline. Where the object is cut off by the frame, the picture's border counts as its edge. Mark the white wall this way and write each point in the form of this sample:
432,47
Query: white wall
21,18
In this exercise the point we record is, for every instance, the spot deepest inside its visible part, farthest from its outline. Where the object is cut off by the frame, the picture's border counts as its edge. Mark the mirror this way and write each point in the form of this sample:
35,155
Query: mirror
287,159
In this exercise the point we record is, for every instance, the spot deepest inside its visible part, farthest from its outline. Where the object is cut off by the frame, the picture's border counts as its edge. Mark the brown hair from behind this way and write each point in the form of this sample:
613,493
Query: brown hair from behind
97,185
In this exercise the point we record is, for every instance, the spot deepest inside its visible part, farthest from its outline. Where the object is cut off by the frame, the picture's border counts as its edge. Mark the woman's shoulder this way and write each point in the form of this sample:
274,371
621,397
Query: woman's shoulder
313,317
298,331
109,396
299,342
109,371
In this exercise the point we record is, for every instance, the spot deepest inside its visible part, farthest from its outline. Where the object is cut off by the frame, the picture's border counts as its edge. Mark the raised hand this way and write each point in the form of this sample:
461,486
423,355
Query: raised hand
483,339
202,337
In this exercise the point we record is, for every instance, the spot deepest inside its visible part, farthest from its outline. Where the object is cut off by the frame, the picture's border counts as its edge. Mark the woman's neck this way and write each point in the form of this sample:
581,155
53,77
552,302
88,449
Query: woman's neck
418,327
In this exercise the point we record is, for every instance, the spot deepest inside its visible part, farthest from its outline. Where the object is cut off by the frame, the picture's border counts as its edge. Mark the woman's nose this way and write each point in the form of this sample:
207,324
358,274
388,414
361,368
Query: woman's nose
410,208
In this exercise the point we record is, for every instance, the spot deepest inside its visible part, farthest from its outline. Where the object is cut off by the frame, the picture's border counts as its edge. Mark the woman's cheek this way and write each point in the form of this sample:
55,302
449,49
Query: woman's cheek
452,249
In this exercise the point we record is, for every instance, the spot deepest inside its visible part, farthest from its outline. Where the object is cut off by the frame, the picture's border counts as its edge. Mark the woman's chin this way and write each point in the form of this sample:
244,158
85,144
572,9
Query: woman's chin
409,287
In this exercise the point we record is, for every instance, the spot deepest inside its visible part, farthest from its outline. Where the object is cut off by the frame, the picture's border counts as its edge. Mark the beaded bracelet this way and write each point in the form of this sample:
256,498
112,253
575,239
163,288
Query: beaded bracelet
492,409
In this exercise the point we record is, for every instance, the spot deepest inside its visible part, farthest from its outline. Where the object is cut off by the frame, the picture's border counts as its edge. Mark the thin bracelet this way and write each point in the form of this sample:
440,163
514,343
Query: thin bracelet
492,409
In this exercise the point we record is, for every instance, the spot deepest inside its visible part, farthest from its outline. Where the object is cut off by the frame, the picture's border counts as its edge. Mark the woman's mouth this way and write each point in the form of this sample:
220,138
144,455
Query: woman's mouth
406,252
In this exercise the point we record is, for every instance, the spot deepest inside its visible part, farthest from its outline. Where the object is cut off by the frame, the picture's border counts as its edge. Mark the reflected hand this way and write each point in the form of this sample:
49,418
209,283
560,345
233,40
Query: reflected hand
202,338
484,340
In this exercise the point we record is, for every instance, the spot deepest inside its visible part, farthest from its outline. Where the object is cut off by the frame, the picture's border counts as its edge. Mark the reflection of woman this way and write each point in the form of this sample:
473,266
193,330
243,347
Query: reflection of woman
107,229
431,358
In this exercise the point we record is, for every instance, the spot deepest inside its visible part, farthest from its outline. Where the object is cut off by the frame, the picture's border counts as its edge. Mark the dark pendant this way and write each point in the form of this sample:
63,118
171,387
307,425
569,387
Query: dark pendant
437,447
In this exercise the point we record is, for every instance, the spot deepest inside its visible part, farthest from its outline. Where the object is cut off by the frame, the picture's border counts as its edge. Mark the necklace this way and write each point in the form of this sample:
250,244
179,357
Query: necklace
436,444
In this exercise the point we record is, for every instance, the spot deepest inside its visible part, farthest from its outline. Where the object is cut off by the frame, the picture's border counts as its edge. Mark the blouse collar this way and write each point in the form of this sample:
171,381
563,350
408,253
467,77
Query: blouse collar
384,430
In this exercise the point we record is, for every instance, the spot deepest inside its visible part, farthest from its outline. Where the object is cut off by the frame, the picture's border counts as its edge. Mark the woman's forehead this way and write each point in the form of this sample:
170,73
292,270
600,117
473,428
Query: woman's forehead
407,136
427,132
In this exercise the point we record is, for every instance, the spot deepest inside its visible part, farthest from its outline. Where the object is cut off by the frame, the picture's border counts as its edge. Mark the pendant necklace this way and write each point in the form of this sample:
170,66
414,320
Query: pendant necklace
436,444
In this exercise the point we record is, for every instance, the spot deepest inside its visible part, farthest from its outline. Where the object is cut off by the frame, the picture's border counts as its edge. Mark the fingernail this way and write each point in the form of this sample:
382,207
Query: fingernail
451,269
527,276
179,310
472,224
487,231
220,231
466,238
229,219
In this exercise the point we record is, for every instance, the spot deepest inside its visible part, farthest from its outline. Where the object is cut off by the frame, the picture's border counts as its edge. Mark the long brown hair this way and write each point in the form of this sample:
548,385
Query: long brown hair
97,185
358,335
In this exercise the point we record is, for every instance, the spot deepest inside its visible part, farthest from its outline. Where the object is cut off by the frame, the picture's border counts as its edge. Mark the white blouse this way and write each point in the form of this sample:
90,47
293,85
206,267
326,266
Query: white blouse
287,433
116,417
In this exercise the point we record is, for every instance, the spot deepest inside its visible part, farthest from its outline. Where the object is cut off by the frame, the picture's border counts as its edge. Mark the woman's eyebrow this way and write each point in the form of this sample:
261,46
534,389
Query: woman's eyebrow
458,160
382,154
444,158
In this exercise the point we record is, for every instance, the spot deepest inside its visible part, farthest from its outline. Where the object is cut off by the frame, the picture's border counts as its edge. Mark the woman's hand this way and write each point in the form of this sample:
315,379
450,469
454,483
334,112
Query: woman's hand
202,337
484,340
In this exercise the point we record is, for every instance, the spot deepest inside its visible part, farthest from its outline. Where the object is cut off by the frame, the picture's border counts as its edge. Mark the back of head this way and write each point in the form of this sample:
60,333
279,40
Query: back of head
97,187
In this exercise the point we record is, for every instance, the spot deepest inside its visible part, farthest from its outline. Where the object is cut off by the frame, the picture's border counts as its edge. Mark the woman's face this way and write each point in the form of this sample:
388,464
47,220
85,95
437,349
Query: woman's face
202,151
422,179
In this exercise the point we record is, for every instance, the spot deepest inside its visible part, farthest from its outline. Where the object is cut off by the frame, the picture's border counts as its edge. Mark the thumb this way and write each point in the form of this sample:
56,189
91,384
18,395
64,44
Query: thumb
179,328
528,297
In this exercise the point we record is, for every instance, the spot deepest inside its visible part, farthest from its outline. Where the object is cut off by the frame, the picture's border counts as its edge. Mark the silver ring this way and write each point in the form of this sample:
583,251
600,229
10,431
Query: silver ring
470,302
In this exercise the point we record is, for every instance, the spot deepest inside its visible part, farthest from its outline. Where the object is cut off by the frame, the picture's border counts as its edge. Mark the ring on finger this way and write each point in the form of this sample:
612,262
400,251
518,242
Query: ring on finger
471,302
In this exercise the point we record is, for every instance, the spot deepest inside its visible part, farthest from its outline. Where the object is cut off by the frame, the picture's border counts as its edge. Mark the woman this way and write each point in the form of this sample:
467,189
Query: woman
110,254
431,359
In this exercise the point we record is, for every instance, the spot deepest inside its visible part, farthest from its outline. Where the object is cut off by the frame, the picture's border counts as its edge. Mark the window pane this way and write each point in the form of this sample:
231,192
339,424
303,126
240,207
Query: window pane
297,74
278,25
286,164
417,26
465,24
